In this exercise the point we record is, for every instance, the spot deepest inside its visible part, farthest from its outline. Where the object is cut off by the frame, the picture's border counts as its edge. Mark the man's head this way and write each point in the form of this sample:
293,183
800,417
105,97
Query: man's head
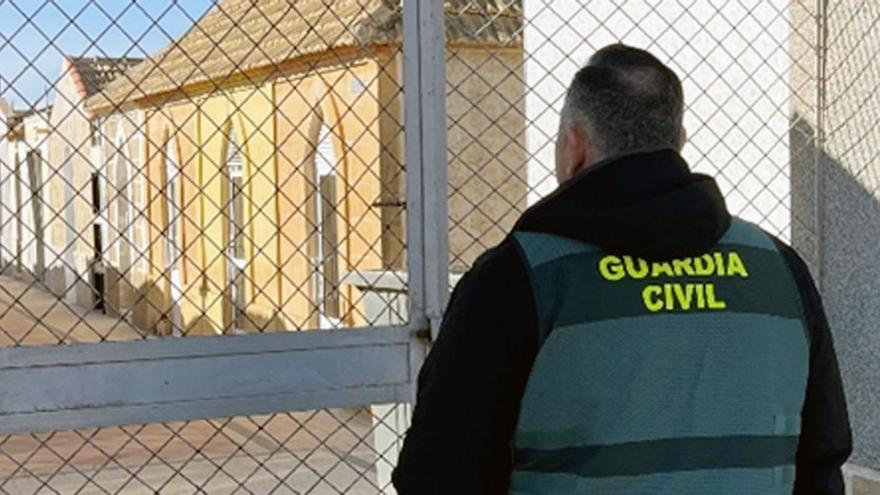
623,100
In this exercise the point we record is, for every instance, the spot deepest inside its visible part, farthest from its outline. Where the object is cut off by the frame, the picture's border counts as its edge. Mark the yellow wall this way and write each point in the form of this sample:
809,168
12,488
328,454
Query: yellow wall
487,155
248,114
155,296
345,98
276,125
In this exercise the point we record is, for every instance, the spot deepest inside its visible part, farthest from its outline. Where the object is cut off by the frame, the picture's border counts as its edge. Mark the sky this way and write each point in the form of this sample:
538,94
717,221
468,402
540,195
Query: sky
35,34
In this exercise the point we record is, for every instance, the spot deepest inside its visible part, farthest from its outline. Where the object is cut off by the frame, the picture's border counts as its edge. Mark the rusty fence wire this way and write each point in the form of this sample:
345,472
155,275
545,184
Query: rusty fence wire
209,168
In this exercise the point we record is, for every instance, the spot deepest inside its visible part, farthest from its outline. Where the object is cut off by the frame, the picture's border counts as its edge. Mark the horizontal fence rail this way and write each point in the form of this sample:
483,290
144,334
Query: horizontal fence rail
166,381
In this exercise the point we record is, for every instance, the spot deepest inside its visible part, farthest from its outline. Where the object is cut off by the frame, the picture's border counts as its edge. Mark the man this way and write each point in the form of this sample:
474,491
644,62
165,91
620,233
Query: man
629,336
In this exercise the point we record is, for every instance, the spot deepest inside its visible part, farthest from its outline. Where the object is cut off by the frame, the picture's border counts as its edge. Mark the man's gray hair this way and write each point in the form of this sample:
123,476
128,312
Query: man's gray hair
627,100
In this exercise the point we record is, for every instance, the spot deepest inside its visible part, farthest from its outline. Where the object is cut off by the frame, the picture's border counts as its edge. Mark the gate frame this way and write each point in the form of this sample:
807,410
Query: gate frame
107,384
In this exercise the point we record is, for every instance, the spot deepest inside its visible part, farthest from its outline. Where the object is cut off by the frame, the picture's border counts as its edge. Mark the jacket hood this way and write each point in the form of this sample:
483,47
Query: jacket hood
646,204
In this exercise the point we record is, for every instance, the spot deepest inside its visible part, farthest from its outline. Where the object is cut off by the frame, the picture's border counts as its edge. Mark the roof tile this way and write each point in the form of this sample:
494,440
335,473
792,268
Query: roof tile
241,35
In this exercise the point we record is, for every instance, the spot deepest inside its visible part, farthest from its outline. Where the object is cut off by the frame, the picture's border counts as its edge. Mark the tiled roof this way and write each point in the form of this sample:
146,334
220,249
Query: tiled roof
93,73
241,35
15,122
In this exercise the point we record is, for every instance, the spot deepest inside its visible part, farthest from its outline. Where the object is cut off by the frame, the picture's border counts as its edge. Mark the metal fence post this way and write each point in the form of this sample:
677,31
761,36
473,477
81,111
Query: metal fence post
425,107
818,168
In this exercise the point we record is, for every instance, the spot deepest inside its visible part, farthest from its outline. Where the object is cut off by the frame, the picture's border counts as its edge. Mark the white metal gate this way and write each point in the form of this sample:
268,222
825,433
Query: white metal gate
351,384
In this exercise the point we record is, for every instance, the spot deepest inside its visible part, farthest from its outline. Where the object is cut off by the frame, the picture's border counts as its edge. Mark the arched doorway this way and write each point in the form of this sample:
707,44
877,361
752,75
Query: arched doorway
172,237
235,230
97,273
323,249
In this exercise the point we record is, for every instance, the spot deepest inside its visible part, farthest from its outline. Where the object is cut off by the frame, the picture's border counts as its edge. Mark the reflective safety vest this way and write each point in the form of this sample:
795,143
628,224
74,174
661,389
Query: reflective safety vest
684,376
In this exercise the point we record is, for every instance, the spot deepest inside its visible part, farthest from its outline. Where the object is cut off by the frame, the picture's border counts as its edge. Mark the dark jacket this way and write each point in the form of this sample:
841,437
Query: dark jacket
469,389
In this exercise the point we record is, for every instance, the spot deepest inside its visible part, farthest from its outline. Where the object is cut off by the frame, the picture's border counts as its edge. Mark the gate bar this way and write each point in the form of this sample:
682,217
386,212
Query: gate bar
424,49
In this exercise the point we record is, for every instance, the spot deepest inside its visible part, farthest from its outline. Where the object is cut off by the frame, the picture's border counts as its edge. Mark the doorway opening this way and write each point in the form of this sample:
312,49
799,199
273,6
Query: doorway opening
97,262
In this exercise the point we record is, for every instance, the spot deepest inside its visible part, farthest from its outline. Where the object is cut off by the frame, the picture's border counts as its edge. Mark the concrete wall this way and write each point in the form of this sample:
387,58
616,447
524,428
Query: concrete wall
841,233
486,138
70,249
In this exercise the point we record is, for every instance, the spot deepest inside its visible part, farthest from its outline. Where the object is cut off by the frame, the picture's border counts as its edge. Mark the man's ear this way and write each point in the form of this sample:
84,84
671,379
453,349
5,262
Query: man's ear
682,138
578,146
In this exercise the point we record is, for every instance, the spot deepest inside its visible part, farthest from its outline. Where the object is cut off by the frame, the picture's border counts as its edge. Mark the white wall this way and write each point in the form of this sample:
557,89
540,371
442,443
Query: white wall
21,220
734,63
5,197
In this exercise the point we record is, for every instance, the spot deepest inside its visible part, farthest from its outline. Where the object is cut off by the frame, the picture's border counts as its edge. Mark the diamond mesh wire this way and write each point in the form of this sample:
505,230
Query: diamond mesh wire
344,451
199,168
745,66
849,195
853,96
204,168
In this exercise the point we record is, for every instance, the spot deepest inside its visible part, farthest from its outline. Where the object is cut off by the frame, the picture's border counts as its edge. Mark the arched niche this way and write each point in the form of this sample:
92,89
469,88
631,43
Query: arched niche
235,231
171,197
321,170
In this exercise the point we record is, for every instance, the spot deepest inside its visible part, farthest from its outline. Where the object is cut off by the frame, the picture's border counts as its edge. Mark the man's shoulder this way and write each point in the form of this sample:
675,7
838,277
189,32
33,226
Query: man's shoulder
796,263
496,274
504,256
794,260
494,298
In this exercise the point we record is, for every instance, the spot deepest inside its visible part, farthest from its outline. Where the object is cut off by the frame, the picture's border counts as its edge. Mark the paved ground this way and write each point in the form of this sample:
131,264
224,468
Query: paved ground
29,315
320,452
288,453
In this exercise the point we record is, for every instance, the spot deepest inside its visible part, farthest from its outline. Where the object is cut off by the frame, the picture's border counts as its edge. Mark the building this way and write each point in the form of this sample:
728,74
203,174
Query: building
74,245
47,222
25,209
271,160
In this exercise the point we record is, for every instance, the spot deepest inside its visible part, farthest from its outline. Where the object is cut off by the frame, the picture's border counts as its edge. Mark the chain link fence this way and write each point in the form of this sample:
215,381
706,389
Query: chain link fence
226,183
323,451
734,59
183,169
212,168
